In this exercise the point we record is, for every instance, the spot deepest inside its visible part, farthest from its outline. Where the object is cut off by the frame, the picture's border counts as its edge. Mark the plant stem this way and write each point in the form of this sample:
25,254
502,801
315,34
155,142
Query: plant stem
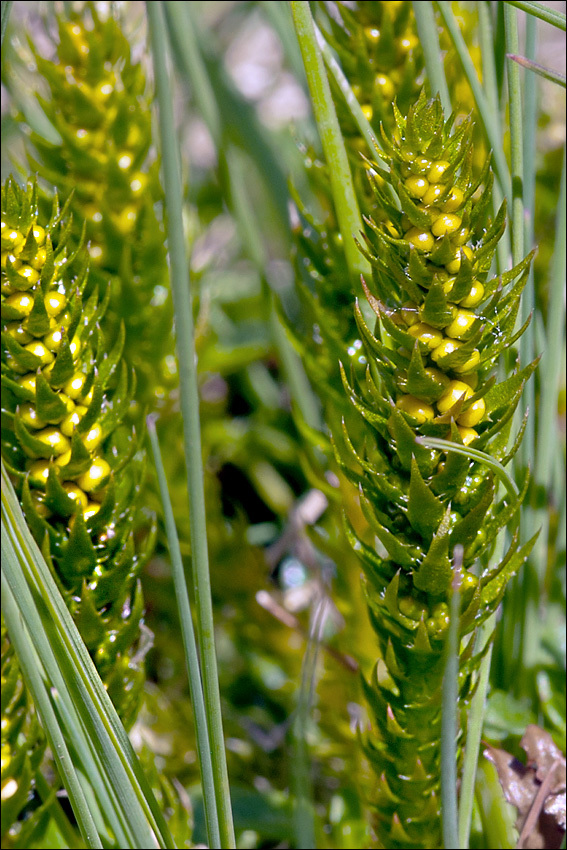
6,9
541,11
185,341
34,680
552,359
429,38
449,722
346,205
487,106
190,646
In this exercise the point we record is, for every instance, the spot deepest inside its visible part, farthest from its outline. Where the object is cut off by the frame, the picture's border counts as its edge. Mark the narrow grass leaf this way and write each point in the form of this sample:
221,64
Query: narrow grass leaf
546,73
38,688
429,38
71,672
449,719
346,205
541,11
185,341
190,645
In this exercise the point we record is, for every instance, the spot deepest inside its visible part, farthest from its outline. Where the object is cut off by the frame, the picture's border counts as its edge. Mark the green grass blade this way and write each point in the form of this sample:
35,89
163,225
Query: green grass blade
541,11
358,115
551,367
239,121
6,9
487,107
516,135
36,684
184,39
449,716
546,73
250,232
190,645
527,344
185,341
72,673
475,720
429,38
474,454
346,205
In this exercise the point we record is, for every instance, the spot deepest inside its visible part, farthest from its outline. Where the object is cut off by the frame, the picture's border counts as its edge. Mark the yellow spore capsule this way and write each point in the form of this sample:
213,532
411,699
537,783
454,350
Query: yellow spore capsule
89,396
454,392
138,183
39,350
63,459
433,194
18,332
448,285
461,324
431,337
421,165
27,381
93,478
437,170
416,186
367,111
471,379
53,339
39,506
74,492
92,438
420,238
438,376
91,509
447,346
20,301
75,384
454,200
12,239
29,274
28,415
38,473
446,223
469,364
475,295
420,410
454,265
75,346
39,234
71,421
38,261
473,414
54,441
467,434
385,85
459,237
54,302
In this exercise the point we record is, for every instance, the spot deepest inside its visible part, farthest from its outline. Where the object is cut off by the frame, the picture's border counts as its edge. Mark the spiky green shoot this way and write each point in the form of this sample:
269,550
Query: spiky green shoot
76,467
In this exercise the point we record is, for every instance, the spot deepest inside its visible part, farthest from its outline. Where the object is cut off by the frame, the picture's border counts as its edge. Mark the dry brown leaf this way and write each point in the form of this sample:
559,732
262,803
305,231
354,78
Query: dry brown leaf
536,789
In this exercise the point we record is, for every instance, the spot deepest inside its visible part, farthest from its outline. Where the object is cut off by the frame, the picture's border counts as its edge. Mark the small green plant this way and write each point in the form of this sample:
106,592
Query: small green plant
75,465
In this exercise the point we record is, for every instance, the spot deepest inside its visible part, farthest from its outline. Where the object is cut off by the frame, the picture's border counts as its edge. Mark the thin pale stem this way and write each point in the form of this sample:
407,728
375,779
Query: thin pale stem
346,205
190,646
189,400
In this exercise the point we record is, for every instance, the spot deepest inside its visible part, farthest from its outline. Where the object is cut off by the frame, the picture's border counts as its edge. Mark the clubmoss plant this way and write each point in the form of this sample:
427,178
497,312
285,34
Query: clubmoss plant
76,467
428,372
100,106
